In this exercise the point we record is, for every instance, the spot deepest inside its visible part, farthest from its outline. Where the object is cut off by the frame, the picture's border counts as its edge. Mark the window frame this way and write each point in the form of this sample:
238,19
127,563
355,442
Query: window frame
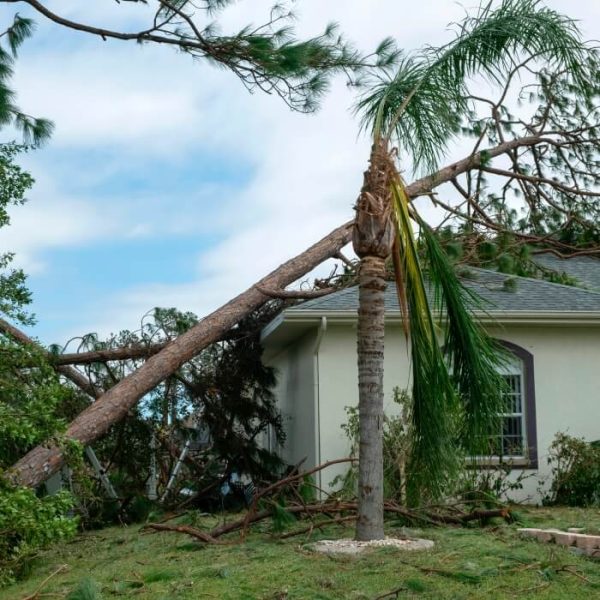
530,458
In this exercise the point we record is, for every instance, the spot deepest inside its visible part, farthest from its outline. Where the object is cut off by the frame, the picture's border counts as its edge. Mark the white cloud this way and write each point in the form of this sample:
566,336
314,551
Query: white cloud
58,222
150,102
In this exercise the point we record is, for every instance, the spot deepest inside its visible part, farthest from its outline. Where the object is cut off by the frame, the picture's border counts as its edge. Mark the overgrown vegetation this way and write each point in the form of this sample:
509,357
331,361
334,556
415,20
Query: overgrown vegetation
221,402
396,451
575,472
32,404
483,487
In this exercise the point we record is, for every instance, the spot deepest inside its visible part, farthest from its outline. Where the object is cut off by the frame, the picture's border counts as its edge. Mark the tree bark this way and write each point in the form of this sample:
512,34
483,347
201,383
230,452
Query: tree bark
41,462
108,354
371,315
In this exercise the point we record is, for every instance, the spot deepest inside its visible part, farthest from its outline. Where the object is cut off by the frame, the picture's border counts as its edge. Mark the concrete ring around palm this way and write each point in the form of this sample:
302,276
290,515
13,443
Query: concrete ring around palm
350,546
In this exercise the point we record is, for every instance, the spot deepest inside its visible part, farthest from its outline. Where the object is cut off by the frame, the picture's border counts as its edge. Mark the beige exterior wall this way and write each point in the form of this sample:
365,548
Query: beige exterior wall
295,392
567,385
338,386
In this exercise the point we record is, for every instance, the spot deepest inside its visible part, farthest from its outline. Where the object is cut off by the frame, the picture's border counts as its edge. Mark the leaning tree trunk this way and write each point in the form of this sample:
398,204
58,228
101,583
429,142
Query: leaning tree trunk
372,239
41,462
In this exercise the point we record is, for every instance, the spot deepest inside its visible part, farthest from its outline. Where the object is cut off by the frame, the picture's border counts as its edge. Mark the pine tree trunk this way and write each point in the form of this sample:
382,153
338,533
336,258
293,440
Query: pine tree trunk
371,315
43,461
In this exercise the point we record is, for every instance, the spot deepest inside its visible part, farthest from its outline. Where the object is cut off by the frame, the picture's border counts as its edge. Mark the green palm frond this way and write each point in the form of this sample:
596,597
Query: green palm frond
457,388
473,357
429,120
422,104
434,402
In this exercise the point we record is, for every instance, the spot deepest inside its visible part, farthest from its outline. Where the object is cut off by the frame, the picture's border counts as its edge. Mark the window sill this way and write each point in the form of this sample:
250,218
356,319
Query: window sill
512,462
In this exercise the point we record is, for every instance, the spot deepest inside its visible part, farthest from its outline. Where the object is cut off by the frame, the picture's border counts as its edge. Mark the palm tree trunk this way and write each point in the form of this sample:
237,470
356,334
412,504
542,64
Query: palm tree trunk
371,315
372,238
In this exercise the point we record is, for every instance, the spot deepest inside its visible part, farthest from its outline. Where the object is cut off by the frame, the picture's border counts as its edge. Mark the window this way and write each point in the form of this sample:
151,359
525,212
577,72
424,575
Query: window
511,439
517,440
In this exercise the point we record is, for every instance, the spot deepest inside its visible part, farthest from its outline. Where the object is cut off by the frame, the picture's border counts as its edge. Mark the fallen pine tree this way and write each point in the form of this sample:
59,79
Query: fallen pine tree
43,461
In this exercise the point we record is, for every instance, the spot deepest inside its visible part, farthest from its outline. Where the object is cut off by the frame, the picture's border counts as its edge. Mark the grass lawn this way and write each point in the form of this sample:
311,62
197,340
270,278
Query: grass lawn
465,563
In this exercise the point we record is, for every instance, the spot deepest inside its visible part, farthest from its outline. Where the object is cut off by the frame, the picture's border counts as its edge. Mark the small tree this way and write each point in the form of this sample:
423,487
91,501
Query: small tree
420,108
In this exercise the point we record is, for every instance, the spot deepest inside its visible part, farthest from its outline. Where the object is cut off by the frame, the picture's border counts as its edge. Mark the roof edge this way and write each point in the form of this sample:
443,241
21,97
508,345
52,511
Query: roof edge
504,317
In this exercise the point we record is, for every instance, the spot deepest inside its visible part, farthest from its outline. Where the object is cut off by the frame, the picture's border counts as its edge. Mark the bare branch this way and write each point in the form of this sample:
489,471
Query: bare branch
70,373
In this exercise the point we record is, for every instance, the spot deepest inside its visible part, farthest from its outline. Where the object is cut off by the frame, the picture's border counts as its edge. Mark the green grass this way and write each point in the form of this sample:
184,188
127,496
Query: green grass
123,562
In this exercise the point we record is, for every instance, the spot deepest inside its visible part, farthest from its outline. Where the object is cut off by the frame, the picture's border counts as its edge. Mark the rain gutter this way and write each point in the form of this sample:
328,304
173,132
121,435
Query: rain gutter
316,395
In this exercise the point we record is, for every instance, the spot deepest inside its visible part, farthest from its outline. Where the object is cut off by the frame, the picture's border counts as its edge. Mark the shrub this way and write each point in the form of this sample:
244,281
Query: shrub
28,523
30,399
575,472
396,447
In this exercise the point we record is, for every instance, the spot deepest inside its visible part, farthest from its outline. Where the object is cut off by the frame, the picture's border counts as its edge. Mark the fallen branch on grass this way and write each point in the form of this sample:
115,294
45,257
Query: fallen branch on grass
187,529
319,525
40,587
329,508
283,495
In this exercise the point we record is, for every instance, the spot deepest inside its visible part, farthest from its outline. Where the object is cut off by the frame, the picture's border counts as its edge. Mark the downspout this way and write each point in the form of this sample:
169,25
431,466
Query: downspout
316,396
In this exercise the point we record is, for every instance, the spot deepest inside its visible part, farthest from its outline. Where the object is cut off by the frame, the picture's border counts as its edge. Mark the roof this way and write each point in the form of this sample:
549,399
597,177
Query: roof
507,299
500,292
584,269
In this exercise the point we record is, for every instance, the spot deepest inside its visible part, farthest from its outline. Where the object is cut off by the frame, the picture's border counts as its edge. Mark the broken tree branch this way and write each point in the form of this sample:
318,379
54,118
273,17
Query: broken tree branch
70,373
187,529
108,354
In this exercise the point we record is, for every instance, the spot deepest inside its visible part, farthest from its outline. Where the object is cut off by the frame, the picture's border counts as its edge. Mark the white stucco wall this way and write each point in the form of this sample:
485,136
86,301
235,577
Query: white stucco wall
295,393
338,386
567,386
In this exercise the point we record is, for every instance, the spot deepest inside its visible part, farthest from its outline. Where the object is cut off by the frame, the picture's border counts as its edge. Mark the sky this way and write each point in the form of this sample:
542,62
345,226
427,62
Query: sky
166,183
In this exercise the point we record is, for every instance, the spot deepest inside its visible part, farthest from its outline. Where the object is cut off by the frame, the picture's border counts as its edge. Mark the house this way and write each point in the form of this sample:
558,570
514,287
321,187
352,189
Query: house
552,331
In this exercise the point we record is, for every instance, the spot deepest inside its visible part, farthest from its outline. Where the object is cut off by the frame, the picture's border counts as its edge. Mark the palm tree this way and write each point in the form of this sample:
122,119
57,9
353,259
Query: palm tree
456,391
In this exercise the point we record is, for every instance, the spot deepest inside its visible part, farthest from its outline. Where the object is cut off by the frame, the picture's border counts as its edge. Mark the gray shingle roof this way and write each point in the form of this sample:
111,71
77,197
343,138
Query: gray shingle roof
585,269
519,295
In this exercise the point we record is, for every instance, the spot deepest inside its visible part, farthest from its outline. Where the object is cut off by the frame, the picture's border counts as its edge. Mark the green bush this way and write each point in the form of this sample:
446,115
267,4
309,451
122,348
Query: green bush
28,523
30,399
575,472
396,447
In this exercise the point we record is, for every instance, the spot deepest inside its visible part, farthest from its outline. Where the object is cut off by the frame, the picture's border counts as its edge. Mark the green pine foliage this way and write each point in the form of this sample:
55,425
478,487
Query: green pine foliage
14,184
226,387
269,57
34,130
